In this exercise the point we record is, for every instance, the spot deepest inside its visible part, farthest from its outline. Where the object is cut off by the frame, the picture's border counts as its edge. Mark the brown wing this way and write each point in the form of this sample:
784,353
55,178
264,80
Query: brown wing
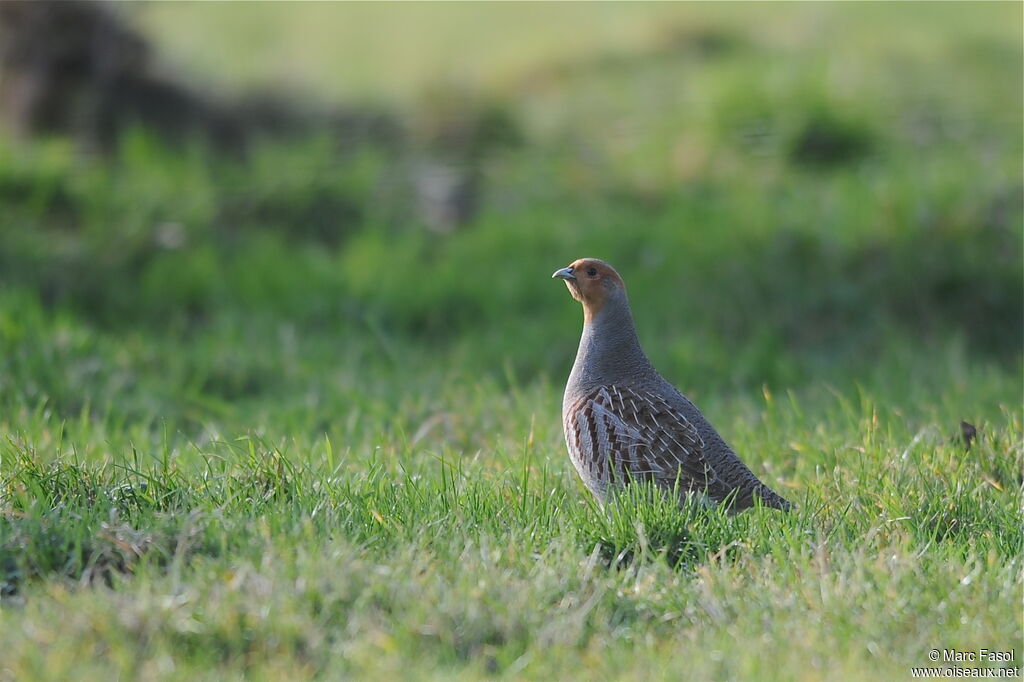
634,434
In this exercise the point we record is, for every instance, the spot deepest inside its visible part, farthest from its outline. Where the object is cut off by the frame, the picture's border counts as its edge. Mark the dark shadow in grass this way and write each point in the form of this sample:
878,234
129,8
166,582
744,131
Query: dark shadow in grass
643,523
810,292
55,547
91,524
320,214
79,546
826,140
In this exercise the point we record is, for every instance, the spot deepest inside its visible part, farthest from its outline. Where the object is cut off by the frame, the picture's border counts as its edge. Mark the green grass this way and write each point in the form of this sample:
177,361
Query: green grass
294,556
256,421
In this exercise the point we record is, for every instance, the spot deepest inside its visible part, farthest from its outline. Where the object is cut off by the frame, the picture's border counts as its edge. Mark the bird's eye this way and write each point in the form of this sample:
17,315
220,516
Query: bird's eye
592,272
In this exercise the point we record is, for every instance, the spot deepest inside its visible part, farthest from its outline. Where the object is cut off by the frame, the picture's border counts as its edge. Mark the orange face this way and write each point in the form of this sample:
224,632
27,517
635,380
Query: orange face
590,281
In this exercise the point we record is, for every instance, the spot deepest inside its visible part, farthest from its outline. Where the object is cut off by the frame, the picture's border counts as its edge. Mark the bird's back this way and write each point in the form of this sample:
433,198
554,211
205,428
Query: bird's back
723,459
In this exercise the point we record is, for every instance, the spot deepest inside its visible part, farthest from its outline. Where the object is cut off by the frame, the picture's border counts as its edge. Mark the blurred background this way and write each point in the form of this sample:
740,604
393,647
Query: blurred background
290,216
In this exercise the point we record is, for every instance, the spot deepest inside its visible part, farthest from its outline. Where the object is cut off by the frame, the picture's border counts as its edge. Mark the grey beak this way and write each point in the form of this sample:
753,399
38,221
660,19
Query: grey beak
564,273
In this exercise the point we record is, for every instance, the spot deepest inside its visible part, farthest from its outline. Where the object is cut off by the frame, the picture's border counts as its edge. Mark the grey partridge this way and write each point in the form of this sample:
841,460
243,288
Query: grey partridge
624,422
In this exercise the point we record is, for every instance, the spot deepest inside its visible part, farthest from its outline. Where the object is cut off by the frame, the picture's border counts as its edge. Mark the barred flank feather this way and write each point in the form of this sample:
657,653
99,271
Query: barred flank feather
615,434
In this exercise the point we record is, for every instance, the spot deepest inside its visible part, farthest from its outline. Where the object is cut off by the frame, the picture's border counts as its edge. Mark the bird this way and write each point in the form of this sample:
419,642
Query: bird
623,422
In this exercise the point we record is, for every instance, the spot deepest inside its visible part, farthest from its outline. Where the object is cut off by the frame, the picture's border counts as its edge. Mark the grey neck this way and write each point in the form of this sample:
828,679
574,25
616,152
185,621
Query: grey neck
610,351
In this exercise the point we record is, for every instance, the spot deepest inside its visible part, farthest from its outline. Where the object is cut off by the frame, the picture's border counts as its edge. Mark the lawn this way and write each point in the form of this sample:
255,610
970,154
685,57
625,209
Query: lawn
260,419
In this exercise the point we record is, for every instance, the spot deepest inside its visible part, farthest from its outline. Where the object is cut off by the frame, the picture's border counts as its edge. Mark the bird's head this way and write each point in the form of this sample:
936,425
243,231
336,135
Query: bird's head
593,283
